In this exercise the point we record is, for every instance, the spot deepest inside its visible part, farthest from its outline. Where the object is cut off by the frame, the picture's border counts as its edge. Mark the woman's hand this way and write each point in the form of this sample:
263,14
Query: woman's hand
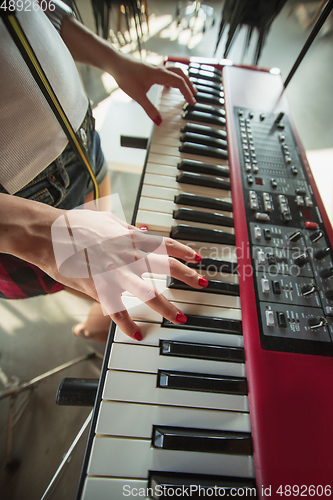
136,77
98,254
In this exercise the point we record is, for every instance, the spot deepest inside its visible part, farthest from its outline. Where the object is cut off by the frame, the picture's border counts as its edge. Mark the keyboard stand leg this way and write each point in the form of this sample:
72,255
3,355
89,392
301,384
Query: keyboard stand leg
13,393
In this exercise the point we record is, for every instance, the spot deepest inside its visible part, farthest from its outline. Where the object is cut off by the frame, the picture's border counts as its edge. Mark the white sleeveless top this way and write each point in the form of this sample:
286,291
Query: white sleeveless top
30,135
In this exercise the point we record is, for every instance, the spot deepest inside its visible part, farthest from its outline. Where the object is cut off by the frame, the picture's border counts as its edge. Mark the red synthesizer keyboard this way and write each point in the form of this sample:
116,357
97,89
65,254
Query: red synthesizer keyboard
239,400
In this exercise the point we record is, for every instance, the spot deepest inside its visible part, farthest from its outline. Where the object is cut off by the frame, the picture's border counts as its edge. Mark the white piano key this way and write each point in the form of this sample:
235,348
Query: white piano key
173,161
160,169
171,106
213,274
137,420
157,221
147,359
174,107
174,151
134,457
169,120
170,170
164,206
141,388
175,133
174,101
165,140
168,206
171,123
204,298
168,93
176,104
191,296
174,142
142,312
169,192
156,158
171,97
213,250
106,488
172,92
178,187
152,333
171,182
177,121
210,274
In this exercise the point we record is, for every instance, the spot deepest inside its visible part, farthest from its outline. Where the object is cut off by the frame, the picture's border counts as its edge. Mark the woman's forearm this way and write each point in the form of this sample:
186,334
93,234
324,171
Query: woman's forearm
25,228
86,47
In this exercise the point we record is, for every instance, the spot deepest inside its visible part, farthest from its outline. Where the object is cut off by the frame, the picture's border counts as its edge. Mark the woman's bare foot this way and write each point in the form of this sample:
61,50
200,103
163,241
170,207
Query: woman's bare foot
96,327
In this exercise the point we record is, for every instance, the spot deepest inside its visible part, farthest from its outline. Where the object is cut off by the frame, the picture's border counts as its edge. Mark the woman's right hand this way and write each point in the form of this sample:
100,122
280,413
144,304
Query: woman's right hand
100,255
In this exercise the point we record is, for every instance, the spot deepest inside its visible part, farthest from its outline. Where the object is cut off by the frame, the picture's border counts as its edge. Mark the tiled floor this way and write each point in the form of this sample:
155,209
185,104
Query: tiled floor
35,335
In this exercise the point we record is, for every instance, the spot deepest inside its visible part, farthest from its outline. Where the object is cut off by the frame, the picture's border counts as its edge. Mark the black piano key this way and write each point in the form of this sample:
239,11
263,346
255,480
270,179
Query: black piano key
199,167
203,89
214,286
204,108
203,202
204,98
204,139
197,116
203,180
215,265
219,325
201,382
189,233
204,75
201,351
188,214
205,67
204,130
199,149
206,83
202,440
164,485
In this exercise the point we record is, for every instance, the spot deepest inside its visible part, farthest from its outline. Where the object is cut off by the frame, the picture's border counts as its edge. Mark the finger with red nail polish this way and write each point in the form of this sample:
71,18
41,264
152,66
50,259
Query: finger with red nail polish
203,282
138,336
181,318
157,120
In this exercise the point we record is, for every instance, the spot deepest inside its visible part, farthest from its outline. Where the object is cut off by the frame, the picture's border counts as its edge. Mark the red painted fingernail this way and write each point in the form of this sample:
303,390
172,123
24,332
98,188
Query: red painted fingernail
143,228
157,120
203,282
181,318
198,257
138,336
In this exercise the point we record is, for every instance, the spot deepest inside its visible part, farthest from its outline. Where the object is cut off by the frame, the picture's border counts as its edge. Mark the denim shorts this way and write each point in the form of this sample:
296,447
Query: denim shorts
63,184
66,181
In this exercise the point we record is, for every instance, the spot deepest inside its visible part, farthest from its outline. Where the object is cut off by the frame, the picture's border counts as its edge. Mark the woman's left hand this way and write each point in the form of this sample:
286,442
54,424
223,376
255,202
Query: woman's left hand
135,78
